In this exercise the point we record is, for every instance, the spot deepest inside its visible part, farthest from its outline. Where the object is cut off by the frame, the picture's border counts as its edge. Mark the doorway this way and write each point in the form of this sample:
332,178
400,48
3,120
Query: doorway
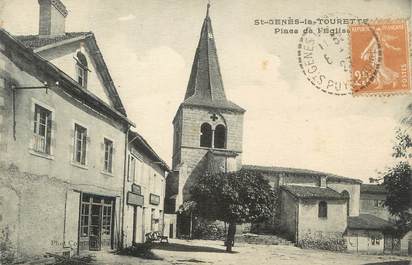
96,222
170,230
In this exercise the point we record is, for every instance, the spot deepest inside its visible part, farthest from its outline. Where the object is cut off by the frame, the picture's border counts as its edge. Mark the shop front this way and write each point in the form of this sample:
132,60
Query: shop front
96,222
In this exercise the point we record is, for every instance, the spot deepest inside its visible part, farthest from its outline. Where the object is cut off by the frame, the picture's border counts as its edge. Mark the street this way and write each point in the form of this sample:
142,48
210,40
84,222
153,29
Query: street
185,252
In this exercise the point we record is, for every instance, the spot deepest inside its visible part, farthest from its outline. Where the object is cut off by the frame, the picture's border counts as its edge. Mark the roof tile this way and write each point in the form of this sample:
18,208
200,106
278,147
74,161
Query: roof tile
368,222
36,41
309,192
309,172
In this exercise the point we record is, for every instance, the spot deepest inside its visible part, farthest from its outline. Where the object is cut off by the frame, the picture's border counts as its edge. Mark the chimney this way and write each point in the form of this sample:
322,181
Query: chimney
52,18
322,182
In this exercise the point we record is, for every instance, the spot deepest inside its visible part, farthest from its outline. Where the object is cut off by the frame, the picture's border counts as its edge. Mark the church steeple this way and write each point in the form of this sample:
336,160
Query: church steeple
205,85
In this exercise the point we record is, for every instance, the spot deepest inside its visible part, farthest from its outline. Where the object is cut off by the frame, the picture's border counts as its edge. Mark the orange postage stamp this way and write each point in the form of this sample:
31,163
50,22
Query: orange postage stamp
380,58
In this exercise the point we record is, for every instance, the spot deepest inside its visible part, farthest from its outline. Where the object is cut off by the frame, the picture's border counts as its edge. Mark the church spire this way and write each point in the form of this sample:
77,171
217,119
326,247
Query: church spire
205,85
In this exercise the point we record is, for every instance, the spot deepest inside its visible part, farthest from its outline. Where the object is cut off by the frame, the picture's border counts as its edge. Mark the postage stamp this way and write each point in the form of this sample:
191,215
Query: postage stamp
379,57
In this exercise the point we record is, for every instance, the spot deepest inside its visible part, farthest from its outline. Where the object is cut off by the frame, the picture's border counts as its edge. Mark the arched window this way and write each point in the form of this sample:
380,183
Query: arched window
323,209
220,137
346,195
206,135
81,69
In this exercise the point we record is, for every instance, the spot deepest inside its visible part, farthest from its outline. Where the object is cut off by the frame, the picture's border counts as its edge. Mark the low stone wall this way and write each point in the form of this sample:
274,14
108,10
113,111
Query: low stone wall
333,241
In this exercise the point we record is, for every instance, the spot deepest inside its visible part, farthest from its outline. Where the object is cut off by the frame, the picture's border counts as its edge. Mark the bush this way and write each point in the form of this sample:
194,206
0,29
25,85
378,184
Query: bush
209,231
7,251
141,250
332,244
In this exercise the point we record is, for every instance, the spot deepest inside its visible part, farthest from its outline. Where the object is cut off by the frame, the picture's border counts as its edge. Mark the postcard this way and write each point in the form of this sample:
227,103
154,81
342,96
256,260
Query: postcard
216,132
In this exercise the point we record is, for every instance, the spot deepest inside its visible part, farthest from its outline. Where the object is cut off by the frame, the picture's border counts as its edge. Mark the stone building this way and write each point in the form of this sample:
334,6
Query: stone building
372,199
64,139
208,127
313,204
145,191
379,238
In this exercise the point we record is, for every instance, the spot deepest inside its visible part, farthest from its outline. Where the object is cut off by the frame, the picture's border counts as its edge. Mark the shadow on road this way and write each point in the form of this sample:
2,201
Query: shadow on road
397,262
187,248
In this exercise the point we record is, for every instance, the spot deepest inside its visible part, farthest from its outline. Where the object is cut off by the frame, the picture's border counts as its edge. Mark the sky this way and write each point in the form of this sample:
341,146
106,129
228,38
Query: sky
149,48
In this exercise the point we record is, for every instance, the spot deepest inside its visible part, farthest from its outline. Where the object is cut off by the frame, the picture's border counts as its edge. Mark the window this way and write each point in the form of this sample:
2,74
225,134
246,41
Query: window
376,241
80,144
42,129
346,195
206,135
81,69
323,209
220,137
108,155
132,169
84,220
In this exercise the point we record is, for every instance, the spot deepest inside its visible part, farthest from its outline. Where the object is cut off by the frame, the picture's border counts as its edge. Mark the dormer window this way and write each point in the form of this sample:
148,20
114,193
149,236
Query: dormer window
81,69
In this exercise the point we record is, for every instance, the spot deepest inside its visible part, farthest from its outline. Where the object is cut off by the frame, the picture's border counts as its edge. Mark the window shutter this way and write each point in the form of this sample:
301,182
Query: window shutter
48,132
53,125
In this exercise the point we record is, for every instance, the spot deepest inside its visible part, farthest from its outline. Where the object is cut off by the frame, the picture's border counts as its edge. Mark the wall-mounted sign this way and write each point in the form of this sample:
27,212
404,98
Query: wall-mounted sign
135,199
154,199
136,189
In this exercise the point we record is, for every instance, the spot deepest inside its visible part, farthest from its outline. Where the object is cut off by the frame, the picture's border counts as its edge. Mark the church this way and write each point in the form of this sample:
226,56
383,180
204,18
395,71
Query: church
208,130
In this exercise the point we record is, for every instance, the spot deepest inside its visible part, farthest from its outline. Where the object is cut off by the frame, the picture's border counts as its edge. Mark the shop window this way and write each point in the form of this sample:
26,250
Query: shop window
323,209
206,135
42,129
220,136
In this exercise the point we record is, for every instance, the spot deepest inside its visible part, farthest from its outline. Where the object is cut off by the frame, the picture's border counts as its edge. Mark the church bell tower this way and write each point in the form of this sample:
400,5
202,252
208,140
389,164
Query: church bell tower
208,127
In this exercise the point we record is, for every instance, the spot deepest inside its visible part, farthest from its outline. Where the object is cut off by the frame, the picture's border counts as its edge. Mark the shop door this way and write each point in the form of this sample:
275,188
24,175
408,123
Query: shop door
107,224
95,227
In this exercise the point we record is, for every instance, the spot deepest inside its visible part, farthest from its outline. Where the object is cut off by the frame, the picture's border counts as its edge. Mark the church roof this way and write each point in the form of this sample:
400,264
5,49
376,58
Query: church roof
308,192
300,171
205,87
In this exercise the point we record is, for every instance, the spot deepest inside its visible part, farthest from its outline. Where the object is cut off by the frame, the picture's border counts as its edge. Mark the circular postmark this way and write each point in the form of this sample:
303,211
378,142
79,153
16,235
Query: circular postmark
325,58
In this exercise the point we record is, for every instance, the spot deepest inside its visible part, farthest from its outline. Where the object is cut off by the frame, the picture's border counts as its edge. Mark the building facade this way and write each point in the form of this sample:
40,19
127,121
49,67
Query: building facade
64,139
145,191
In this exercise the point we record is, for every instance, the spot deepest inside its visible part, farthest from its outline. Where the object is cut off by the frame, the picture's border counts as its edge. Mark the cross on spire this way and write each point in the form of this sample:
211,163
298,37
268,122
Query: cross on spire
208,7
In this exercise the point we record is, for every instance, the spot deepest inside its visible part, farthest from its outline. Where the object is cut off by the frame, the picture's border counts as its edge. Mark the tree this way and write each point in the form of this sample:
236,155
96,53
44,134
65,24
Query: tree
235,198
398,182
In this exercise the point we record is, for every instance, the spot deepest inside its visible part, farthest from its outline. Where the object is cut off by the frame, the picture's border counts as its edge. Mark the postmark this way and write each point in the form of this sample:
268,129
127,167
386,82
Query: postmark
324,56
380,57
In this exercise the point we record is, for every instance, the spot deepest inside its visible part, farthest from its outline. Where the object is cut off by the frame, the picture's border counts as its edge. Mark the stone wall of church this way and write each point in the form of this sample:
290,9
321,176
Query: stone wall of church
187,150
193,118
354,194
332,226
